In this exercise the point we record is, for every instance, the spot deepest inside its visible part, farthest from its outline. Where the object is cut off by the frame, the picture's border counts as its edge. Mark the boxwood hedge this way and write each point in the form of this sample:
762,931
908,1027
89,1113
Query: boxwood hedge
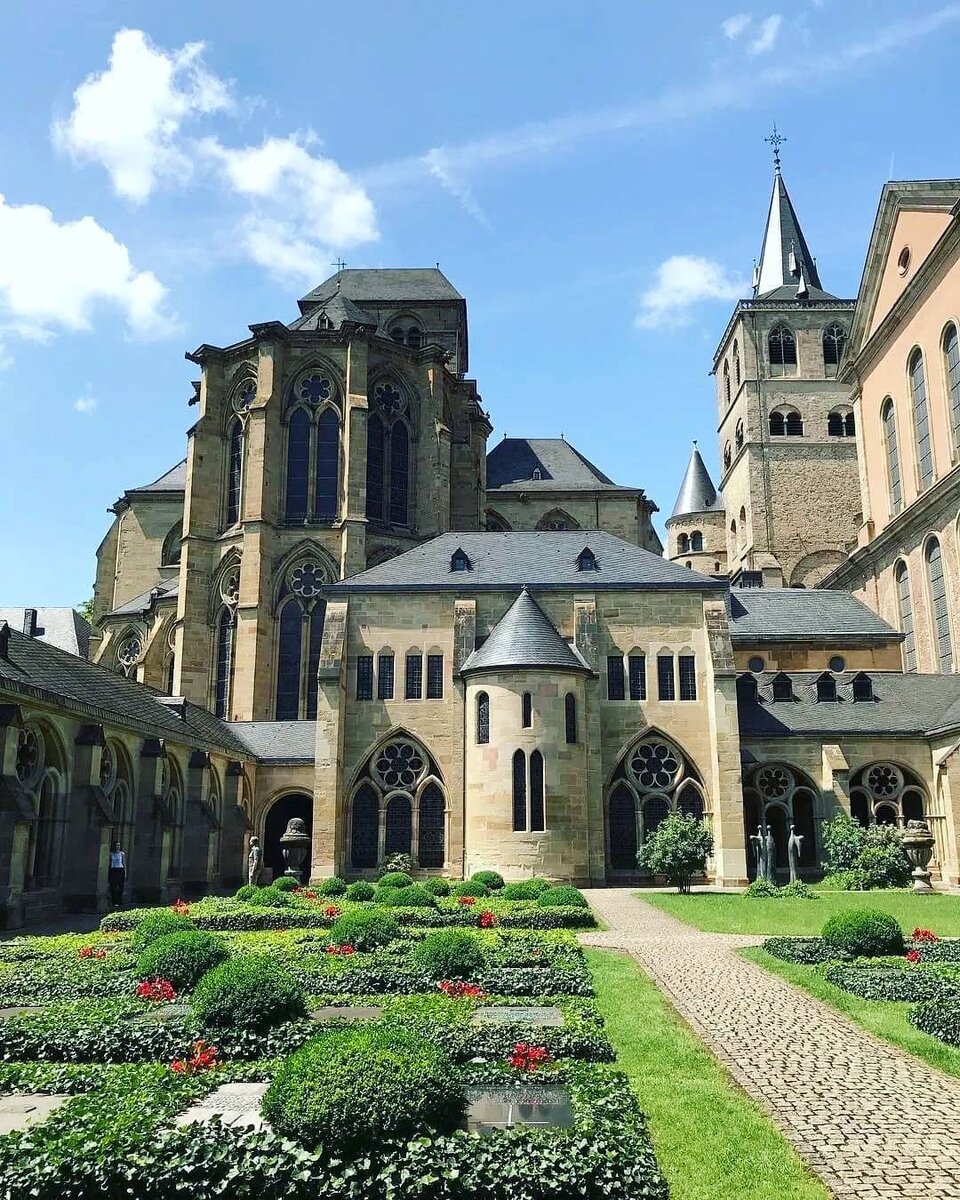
939,1018
809,951
889,983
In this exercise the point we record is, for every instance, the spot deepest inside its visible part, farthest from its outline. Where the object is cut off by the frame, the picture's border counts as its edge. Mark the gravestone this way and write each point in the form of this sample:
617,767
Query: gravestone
163,1014
25,1010
345,1012
236,1104
17,1112
493,1108
501,1014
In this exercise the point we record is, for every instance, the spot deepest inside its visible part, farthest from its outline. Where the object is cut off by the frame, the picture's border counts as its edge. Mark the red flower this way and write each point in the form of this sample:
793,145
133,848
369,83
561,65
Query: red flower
914,956
331,911
458,990
344,948
527,1058
160,991
467,901
305,893
487,920
924,935
204,1059
181,908
92,952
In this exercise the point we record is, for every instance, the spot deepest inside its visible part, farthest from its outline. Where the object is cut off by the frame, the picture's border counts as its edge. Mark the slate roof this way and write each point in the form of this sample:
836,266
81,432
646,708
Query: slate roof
512,462
174,480
543,561
165,590
697,493
904,704
332,314
385,283
63,627
802,615
784,247
36,669
278,741
524,637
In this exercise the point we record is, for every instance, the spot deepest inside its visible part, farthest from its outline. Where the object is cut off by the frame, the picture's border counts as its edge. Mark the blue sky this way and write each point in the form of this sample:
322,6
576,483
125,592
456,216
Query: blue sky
592,178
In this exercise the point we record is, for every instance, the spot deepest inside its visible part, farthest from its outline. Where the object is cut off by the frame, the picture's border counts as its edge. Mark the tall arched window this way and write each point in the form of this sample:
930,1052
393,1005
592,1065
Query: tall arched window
375,440
431,831
937,583
778,424
519,791
298,465
317,615
364,833
782,348
398,826
696,541
327,474
623,829
570,718
537,812
170,553
894,484
313,450
738,434
234,471
483,718
905,606
951,363
298,658
794,424
399,474
736,362
683,544
834,340
526,713
223,677
726,383
921,421
388,456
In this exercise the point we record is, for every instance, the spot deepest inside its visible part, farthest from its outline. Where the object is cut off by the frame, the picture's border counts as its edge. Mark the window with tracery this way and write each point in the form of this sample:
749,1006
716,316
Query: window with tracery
170,551
388,456
398,781
300,636
894,483
313,450
235,440
782,350
834,341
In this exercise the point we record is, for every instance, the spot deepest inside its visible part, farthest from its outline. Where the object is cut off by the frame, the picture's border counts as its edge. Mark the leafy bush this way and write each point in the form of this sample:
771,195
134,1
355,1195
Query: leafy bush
844,881
449,954
334,886
889,983
397,862
809,951
865,858
183,958
569,897
864,933
251,992
395,879
271,897
539,884
525,890
946,950
246,892
437,886
762,889
679,849
285,883
470,887
939,1018
414,896
364,930
157,925
361,891
843,841
798,890
491,880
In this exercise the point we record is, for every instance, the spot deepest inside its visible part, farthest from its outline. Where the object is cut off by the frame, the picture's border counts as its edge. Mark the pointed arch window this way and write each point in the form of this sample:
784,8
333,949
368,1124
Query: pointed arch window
951,363
388,457
570,718
298,659
921,421
398,826
399,474
223,675
364,833
738,435
170,553
736,363
483,719
519,792
894,483
726,383
727,456
313,453
834,341
782,350
235,440
431,828
537,813
937,583
623,829
905,607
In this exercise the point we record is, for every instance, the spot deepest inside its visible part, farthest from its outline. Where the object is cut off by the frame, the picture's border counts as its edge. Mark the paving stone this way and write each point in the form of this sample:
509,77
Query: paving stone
871,1120
17,1112
492,1108
235,1104
345,1012
24,1010
501,1014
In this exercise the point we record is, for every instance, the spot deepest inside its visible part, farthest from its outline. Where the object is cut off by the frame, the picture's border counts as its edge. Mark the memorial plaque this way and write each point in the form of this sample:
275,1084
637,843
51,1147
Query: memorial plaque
236,1104
504,1015
163,1014
26,1010
17,1112
344,1012
493,1108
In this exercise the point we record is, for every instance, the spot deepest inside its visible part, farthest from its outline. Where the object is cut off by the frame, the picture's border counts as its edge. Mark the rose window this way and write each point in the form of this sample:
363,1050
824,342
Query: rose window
314,389
884,780
29,755
388,399
230,587
245,395
108,769
773,783
655,766
399,765
130,650
306,580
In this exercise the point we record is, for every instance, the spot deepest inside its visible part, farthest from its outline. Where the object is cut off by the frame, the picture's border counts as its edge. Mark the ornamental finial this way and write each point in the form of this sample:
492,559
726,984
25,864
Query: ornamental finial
776,139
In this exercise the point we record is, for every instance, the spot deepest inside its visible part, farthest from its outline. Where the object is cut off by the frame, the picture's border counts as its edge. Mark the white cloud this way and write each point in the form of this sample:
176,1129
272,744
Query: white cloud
766,35
733,26
436,164
681,282
85,404
54,277
129,117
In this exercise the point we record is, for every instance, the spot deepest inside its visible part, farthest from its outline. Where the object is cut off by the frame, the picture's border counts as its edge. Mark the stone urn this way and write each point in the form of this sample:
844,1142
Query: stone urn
918,847
295,843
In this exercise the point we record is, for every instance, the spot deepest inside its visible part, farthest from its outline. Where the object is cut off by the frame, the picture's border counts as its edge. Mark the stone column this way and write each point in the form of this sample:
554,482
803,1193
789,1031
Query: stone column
197,833
88,826
947,802
234,830
152,823
725,789
586,640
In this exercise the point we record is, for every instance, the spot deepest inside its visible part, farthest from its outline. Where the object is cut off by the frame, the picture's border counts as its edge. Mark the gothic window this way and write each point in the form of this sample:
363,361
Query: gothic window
665,686
696,541
170,554
637,664
364,832
778,424
726,456
937,584
399,474
398,826
299,640
383,806
413,689
375,440
431,832
687,664
434,676
315,640
726,383
385,673
313,451
495,523
234,471
129,653
794,424
921,421
298,465
537,814
519,792
483,718
683,544
736,362
654,812
288,661
527,710
782,347
171,668
388,457
570,718
738,436
623,829
615,690
834,340
894,484
223,676
327,482
905,609
951,362
556,521
365,677
690,802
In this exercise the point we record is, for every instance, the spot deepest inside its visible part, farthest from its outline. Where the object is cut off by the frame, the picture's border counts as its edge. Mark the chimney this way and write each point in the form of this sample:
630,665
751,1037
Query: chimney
5,641
30,622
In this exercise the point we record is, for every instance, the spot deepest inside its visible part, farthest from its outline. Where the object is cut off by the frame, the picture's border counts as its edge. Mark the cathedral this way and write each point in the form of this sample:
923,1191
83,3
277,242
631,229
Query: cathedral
347,605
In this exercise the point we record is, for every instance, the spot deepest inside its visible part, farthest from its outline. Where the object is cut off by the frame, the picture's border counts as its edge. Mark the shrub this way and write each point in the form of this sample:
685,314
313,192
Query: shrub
397,862
285,883
539,884
437,886
679,849
361,890
414,896
569,897
521,891
889,983
470,887
883,862
346,1092
491,880
798,890
246,892
864,933
762,889
332,887
395,879
810,951
843,840
183,958
939,1018
157,925
271,897
449,954
844,881
364,930
252,992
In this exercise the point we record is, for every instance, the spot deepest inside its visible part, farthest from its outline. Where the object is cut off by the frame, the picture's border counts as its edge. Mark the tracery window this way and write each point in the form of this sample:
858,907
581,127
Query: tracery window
223,673
905,608
894,483
235,442
556,521
887,794
921,421
951,363
782,349
300,636
388,456
129,653
483,718
834,340
431,840
313,450
937,584
399,805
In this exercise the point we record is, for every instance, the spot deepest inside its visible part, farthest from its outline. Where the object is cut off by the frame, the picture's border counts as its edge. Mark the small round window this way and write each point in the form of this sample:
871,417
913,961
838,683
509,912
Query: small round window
756,664
837,663
903,262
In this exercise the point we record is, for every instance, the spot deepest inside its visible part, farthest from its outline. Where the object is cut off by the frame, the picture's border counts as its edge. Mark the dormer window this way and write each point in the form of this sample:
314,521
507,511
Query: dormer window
862,687
782,687
587,560
747,692
459,560
826,687
537,473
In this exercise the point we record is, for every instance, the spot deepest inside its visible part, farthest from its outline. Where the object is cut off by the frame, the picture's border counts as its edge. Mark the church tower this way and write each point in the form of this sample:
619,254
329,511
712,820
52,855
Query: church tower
696,529
786,425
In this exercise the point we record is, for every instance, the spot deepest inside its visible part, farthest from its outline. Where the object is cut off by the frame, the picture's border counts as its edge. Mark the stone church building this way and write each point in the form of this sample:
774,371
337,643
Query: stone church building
349,605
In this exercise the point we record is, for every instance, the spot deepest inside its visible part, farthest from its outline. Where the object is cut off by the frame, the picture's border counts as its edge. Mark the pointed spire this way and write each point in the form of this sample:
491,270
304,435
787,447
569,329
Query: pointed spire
785,259
697,493
524,637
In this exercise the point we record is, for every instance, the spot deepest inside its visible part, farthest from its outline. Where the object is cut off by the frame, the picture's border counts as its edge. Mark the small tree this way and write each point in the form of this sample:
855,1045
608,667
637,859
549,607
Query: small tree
679,849
844,840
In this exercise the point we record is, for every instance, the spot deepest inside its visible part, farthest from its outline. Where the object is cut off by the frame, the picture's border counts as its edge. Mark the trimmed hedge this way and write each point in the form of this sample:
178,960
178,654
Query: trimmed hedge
939,1018
272,897
364,930
562,897
889,983
808,951
437,886
413,896
470,887
864,933
335,886
395,879
285,883
251,993
491,880
449,954
183,958
157,925
361,891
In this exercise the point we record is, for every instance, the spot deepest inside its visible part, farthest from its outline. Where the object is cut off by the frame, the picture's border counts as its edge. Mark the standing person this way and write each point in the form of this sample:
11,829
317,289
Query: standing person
254,862
117,876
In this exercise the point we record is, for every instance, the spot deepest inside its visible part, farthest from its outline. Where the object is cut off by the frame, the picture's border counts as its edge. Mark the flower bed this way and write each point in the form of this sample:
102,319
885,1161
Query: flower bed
809,951
885,982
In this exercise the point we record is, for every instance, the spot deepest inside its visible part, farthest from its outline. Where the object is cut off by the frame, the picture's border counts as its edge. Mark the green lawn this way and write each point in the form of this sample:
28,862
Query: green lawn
711,1140
884,1018
736,913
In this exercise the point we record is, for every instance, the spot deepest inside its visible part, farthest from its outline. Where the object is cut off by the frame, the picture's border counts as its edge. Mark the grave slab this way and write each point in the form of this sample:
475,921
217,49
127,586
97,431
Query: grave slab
501,1014
345,1012
493,1108
17,1112
163,1014
24,1010
236,1104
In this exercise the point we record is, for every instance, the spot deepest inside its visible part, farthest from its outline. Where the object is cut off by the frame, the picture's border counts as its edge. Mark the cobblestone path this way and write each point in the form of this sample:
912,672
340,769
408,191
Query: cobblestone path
871,1120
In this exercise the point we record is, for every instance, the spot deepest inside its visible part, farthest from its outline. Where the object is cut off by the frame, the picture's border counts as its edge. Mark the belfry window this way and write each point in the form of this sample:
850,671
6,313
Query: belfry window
782,348
726,384
738,435
834,340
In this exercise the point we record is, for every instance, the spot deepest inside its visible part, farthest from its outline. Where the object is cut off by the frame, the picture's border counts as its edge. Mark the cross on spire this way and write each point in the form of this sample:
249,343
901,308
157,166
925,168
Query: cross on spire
339,264
776,139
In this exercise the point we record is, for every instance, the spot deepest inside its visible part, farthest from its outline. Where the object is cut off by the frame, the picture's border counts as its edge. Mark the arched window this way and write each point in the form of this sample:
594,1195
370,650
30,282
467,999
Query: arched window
623,829
226,623
850,425
537,813
399,474
234,471
921,421
519,792
298,465
696,541
738,437
743,524
495,523
683,544
778,424
170,553
834,340
483,718
794,424
782,348
170,673
556,520
313,437
364,833
431,831
894,484
726,456
951,363
937,582
398,826
388,457
570,718
726,383
288,661
835,424
905,607
327,481
736,362
526,705
317,616
375,472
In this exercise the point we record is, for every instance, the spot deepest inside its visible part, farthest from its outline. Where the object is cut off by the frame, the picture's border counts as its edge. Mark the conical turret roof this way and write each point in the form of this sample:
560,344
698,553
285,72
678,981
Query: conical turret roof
524,637
787,270
697,493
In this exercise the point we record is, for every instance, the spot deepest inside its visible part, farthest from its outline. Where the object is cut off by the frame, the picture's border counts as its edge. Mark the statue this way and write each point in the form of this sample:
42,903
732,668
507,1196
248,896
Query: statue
254,863
794,846
759,850
771,856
